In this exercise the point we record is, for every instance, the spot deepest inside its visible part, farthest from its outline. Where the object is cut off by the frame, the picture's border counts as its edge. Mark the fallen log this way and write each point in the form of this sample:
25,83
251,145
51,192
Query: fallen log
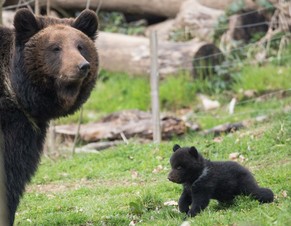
166,8
197,19
131,124
163,29
223,5
123,53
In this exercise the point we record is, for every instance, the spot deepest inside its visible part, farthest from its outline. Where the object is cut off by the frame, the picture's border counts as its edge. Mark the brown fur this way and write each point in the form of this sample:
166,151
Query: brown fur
48,68
55,51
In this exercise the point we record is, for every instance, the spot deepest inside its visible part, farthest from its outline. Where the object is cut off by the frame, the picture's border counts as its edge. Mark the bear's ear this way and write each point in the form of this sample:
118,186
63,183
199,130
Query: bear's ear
193,151
87,22
176,147
25,25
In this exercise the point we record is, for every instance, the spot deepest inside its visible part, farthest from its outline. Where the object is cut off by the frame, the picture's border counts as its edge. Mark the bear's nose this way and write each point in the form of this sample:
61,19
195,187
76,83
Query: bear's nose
84,68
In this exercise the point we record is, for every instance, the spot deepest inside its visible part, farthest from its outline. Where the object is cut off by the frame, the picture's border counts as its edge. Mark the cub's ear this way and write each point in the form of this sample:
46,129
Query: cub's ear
193,151
176,147
87,22
25,25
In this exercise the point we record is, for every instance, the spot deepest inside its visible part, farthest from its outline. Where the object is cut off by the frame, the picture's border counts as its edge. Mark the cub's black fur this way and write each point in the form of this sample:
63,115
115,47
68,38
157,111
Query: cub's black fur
204,180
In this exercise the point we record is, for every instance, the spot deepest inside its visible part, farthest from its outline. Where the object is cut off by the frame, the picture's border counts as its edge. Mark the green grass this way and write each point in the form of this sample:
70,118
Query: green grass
119,91
129,183
116,92
264,78
117,186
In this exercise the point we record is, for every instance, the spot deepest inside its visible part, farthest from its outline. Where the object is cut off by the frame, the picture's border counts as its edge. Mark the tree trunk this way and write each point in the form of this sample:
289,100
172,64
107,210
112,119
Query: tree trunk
167,8
163,29
223,5
123,53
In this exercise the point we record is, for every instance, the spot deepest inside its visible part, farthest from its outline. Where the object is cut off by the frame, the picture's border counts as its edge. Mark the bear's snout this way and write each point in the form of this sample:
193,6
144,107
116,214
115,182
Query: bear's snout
171,177
174,177
84,68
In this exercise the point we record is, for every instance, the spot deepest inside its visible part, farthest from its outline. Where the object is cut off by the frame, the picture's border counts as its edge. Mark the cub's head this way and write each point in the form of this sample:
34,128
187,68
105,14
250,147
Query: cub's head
58,58
187,164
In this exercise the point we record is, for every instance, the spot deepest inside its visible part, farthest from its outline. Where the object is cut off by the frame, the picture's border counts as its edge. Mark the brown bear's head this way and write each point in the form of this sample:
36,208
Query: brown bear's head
187,165
58,58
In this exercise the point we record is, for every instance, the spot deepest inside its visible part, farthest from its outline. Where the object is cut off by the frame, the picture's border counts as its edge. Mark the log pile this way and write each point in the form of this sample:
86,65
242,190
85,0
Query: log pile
194,19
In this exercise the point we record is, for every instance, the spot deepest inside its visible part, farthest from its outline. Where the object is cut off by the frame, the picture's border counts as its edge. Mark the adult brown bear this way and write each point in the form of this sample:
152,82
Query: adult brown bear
48,67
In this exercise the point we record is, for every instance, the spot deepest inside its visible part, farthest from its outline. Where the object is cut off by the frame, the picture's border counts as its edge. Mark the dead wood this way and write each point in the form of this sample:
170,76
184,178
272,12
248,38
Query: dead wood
224,128
223,5
133,124
166,8
98,146
232,127
163,29
197,19
124,53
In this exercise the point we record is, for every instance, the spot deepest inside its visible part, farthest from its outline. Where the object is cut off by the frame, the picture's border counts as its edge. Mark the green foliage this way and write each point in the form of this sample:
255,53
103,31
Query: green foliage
180,35
235,7
264,3
116,23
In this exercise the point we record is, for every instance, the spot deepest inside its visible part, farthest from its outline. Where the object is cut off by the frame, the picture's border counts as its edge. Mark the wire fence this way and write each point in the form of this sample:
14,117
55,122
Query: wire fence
23,3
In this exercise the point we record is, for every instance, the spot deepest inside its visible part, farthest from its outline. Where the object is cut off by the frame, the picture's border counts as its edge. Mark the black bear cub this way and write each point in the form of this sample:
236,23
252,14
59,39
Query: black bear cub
204,180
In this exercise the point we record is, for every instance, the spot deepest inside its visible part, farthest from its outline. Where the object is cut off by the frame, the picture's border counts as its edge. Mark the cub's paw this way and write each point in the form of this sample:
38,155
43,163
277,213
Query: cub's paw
184,208
191,213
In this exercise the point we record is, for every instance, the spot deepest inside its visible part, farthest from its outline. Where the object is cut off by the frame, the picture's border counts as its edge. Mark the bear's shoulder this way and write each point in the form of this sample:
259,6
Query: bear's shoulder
6,49
6,43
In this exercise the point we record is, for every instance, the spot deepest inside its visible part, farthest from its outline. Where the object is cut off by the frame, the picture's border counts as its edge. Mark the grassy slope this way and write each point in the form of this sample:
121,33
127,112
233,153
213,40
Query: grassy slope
93,188
129,182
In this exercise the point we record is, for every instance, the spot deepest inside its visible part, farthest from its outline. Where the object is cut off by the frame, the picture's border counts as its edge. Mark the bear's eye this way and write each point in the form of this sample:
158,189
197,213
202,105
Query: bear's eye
80,48
56,49
179,167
